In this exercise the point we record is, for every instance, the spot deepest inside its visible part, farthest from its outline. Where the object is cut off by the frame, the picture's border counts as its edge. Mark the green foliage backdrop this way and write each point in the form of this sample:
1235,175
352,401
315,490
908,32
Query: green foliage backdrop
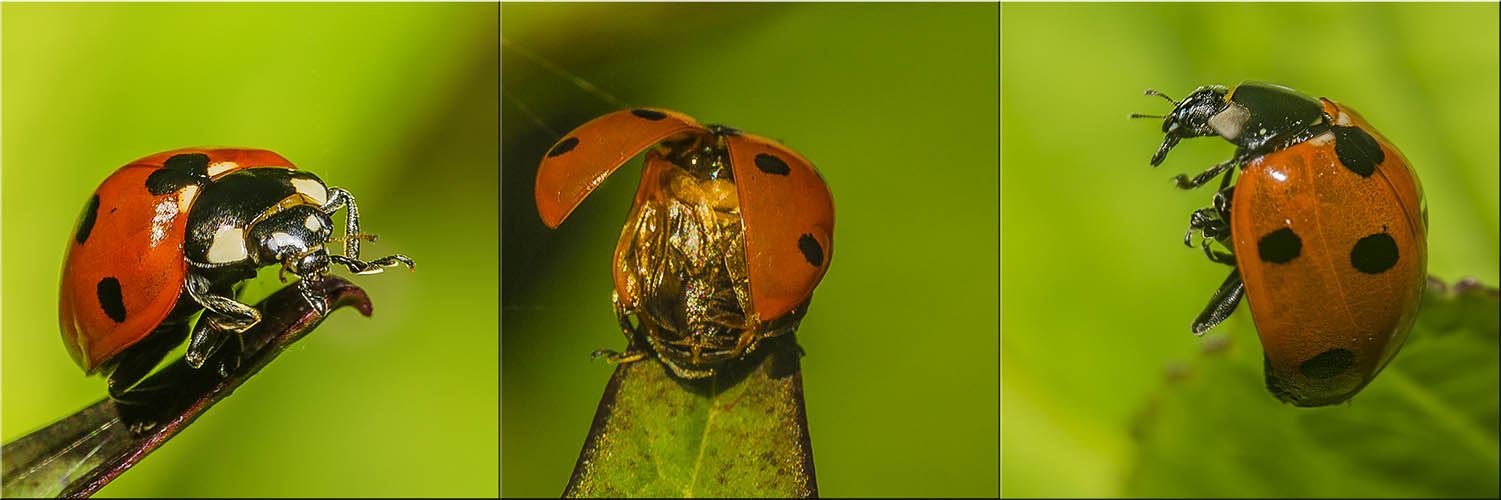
397,103
895,104
1097,288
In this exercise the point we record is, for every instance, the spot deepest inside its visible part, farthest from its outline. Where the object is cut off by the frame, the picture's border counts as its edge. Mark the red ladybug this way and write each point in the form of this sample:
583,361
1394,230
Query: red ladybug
1328,229
172,233
727,238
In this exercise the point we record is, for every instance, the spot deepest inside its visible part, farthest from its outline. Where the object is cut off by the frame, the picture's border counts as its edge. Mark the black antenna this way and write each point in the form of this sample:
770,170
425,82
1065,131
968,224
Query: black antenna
1158,94
1162,95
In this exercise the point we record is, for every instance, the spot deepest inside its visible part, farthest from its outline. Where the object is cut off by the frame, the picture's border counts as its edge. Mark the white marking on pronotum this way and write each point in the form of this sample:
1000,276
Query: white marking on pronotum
228,245
312,224
1344,120
311,188
282,239
219,167
1322,139
1229,122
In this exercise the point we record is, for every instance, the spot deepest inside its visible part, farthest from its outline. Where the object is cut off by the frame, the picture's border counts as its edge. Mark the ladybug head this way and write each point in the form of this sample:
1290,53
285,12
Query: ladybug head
294,238
1189,118
704,155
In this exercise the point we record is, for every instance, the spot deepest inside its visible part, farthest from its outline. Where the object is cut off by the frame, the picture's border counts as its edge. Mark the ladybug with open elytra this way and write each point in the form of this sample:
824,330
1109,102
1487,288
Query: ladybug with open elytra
1327,228
727,237
173,233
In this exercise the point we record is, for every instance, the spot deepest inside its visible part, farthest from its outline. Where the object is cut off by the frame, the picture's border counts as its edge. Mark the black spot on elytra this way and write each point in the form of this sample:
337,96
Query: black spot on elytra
111,300
177,172
772,165
1327,364
1280,246
1374,254
811,249
563,146
195,164
1357,150
86,224
649,114
1273,382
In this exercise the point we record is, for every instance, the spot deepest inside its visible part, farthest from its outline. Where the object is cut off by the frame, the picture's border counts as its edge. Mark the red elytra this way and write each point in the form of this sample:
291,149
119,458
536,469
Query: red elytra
1327,226
786,208
1333,257
124,267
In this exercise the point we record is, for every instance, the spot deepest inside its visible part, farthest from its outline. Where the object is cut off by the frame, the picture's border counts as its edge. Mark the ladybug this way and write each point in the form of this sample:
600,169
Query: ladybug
728,235
174,233
1326,227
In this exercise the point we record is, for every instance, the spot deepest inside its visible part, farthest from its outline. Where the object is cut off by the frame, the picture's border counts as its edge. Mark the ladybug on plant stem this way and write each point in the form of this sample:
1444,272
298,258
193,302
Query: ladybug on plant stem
728,235
1327,229
174,233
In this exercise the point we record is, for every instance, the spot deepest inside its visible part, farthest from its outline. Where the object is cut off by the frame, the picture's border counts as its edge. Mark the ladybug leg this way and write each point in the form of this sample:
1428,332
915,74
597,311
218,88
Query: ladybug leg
1219,257
137,360
1205,220
623,317
340,198
1215,228
222,316
1213,223
1221,305
209,335
1223,167
687,373
749,339
631,353
371,267
311,295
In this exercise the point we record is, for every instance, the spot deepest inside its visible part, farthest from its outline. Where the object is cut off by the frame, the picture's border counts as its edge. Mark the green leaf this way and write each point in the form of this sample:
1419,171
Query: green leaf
1427,426
741,433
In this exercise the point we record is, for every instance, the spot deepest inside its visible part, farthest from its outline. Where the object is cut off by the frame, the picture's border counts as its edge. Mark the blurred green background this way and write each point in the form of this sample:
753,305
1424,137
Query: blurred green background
895,104
1097,288
397,103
